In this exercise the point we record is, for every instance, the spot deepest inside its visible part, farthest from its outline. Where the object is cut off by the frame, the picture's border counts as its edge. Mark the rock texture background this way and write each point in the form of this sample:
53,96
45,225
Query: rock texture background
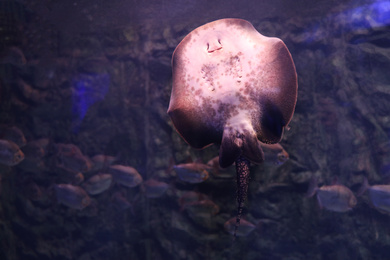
98,76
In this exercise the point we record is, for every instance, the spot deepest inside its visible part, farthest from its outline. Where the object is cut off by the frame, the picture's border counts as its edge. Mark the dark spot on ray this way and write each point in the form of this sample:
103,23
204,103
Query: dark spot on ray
247,89
272,121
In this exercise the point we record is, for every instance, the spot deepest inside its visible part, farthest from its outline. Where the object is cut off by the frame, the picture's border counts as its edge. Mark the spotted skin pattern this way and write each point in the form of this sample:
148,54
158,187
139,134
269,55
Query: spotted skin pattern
242,169
234,87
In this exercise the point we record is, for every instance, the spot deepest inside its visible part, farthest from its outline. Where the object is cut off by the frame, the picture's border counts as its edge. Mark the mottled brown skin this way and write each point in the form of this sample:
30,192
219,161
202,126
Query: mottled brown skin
234,87
200,123
242,169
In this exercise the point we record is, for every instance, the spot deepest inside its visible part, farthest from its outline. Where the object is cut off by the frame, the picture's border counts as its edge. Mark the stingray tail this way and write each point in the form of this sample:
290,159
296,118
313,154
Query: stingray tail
242,169
235,144
240,147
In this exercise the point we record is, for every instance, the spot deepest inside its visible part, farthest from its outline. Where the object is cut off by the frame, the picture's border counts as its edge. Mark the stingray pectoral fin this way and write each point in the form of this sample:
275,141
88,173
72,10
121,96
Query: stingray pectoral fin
189,125
235,144
277,94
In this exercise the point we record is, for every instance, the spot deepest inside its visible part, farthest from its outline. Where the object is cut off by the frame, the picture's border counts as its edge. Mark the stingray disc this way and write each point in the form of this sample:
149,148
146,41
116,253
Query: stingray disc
232,86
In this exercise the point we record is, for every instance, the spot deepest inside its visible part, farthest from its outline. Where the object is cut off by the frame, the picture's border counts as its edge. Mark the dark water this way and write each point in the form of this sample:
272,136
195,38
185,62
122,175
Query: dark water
88,78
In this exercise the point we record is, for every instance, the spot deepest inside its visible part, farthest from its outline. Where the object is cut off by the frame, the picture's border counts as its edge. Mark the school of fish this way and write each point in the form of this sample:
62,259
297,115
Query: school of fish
83,178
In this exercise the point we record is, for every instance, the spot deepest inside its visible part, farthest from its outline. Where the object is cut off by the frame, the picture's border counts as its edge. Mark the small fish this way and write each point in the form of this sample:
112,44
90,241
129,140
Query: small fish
379,195
34,155
202,208
77,178
92,210
67,149
14,134
36,150
10,154
120,201
76,162
30,93
33,151
218,171
98,183
44,143
274,153
192,172
335,197
72,196
189,197
214,163
101,161
154,189
244,229
125,175
66,175
13,55
69,156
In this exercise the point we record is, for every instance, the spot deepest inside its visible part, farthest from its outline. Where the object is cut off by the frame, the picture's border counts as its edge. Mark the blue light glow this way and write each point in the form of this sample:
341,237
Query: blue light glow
88,89
358,19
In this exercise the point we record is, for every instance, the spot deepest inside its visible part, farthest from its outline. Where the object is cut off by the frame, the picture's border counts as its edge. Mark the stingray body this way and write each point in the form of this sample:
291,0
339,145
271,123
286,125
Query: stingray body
234,87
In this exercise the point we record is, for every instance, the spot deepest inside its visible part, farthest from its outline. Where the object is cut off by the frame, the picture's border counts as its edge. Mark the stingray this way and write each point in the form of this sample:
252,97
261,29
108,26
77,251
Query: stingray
234,87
